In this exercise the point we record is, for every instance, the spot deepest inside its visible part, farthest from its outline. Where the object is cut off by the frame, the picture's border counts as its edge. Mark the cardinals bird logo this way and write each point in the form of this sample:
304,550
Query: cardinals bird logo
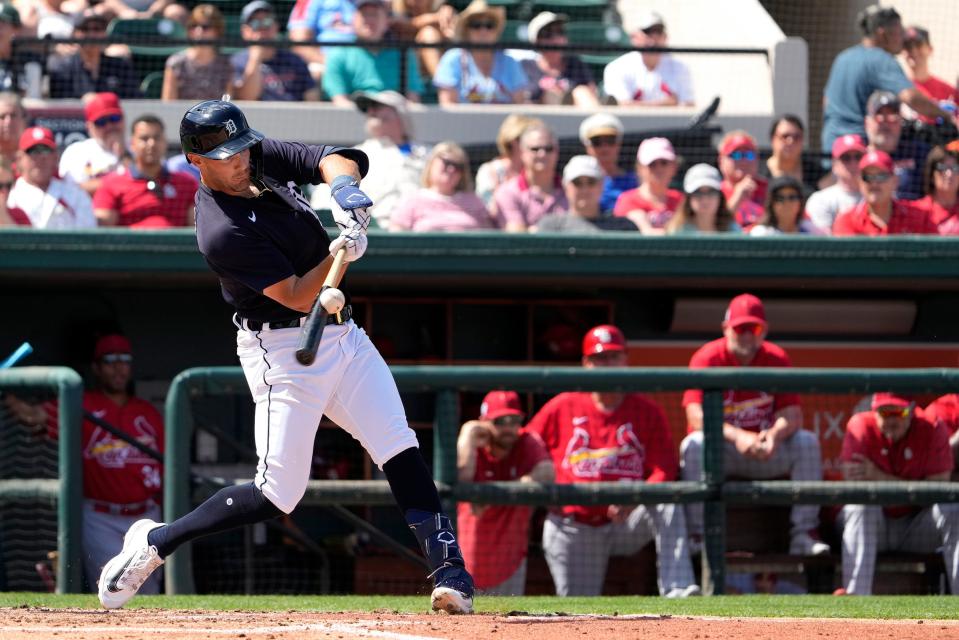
625,460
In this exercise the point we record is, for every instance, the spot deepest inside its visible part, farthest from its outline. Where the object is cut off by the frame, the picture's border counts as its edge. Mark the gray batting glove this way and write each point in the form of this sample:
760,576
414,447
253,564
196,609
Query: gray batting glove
355,242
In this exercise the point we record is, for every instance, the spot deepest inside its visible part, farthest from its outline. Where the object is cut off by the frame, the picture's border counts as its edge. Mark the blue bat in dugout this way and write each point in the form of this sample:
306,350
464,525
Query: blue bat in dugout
22,352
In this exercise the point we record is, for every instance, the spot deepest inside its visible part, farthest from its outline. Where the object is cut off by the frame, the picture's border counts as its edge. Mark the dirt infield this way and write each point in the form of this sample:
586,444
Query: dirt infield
76,624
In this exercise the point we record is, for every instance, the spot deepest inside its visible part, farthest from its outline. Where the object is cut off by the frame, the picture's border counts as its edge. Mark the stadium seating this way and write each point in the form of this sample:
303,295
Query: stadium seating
152,85
149,30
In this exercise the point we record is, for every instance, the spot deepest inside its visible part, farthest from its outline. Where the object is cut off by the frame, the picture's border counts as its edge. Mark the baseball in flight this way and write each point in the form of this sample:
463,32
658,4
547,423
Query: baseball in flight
332,300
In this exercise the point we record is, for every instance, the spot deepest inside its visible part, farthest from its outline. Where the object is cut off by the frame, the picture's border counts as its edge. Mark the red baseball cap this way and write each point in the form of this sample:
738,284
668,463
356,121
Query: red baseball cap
887,399
603,338
497,404
113,343
848,142
879,159
736,142
102,104
745,309
37,136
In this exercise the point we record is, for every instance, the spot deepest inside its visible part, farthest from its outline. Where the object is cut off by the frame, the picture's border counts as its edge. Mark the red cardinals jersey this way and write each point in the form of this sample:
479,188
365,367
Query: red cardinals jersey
130,196
906,218
944,412
924,450
113,471
750,410
494,542
587,444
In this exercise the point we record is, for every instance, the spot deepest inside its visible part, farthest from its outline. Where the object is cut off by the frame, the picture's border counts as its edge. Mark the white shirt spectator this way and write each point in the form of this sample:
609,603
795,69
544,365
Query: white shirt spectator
64,205
824,206
628,80
85,160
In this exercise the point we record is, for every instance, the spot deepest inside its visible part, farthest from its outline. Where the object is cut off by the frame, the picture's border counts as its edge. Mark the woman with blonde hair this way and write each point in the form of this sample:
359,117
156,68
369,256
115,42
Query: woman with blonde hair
425,22
199,72
446,201
509,163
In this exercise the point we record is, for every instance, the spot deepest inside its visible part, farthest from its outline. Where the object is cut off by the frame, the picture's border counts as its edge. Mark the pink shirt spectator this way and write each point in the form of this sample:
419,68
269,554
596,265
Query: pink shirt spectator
427,210
517,203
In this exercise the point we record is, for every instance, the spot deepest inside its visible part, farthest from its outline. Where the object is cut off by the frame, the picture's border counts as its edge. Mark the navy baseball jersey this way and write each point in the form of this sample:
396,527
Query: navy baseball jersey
253,243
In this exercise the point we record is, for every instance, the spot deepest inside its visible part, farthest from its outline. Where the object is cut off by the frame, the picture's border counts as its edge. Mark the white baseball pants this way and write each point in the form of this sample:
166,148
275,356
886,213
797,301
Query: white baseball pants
348,381
798,457
866,530
577,554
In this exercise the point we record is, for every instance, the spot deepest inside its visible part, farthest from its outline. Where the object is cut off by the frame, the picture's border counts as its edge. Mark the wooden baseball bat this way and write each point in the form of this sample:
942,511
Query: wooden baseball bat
312,329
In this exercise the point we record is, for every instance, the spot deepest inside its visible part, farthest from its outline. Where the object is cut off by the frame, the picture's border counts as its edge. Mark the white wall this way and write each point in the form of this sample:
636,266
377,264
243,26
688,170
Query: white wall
941,19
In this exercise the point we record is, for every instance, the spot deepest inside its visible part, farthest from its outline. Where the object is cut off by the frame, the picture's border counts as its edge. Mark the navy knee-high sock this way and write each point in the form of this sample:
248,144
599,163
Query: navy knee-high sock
412,484
228,508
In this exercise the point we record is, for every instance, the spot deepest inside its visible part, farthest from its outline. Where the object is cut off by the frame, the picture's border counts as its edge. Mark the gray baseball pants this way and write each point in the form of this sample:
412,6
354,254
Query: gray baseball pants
103,538
798,457
866,530
577,553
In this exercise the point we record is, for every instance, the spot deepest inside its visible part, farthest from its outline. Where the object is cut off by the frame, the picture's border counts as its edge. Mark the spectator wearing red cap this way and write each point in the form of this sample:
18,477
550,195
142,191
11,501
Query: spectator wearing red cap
144,193
652,204
610,437
743,187
121,484
879,213
917,49
90,69
944,412
495,448
825,205
763,432
648,78
39,198
941,186
894,443
87,161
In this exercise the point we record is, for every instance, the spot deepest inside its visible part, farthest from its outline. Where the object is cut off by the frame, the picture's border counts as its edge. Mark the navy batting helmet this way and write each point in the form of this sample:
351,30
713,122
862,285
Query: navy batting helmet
216,129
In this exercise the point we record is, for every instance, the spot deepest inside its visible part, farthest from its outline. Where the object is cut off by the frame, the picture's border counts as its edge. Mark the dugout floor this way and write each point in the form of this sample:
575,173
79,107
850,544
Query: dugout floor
76,624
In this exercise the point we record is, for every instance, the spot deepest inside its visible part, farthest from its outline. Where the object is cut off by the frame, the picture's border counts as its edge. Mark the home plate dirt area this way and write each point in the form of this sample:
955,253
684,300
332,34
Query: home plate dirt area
145,624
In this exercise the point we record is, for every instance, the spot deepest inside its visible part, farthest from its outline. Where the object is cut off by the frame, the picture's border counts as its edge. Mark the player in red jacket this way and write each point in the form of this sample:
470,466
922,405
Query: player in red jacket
610,437
763,431
892,443
494,448
944,411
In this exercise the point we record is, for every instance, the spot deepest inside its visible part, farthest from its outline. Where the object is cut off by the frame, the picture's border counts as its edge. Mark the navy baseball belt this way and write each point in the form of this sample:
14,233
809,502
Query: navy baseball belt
255,325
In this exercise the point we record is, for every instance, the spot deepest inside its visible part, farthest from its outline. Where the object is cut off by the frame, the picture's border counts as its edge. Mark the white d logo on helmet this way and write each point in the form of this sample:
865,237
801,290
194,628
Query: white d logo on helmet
604,336
230,127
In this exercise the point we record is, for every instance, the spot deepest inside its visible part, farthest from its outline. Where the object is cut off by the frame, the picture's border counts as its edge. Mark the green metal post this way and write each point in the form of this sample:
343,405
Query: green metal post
714,509
176,479
69,502
446,426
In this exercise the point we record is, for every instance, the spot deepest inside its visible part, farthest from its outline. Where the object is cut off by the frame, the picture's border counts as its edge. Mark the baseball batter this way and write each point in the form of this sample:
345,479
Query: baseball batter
892,443
262,238
610,437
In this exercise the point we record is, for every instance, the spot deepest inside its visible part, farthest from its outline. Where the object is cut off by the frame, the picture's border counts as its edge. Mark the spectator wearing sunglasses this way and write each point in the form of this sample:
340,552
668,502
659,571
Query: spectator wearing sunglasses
650,79
944,413
916,51
496,448
893,442
941,186
786,137
880,213
479,76
555,76
652,204
784,211
201,71
602,137
763,433
121,484
371,65
744,188
508,163
142,193
90,69
825,205
85,162
583,184
522,201
39,198
446,202
264,72
883,125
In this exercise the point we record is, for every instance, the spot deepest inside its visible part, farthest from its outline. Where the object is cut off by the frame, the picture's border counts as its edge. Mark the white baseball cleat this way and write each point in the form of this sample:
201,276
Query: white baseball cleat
126,572
684,592
451,601
803,544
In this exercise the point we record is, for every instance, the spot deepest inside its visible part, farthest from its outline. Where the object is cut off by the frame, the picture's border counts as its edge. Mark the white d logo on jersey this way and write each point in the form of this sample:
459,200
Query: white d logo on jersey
230,127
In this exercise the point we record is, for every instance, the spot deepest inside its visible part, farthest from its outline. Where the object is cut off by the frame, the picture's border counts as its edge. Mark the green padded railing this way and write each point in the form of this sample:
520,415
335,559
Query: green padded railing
67,492
448,381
